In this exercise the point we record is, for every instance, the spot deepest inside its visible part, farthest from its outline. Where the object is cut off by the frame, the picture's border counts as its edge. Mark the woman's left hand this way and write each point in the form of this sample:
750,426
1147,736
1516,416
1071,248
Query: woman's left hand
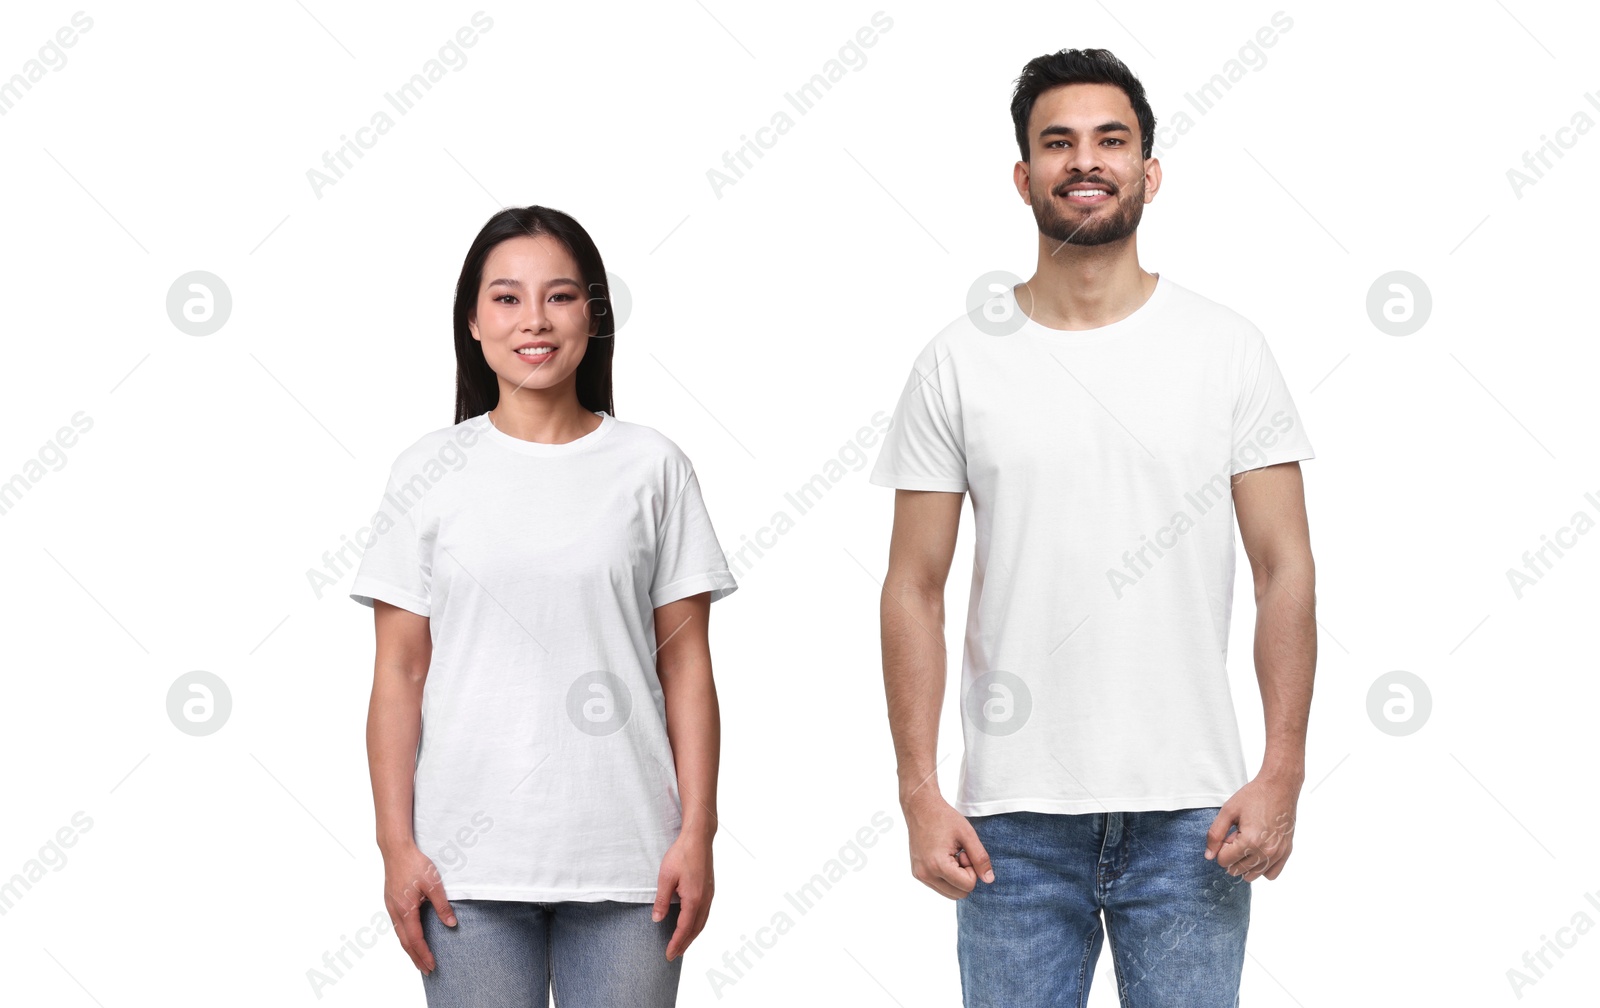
685,870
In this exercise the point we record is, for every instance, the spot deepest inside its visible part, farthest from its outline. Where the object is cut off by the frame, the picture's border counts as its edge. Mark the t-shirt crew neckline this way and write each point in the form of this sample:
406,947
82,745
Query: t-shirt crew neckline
488,430
1083,337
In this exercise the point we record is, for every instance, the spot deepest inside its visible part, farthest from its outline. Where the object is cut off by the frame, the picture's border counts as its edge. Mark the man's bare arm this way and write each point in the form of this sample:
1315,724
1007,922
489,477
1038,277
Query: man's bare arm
1271,506
1271,509
945,852
911,616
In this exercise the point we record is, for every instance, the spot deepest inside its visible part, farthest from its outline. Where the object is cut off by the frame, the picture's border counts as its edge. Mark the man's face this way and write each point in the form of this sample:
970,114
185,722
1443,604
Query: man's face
1087,180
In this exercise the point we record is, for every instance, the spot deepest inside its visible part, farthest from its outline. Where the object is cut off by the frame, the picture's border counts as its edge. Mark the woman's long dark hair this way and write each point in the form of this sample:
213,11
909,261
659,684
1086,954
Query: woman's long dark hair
477,388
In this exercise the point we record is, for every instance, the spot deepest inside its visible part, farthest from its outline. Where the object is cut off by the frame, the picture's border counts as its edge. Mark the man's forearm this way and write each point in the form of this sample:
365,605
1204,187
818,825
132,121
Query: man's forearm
914,666
1286,660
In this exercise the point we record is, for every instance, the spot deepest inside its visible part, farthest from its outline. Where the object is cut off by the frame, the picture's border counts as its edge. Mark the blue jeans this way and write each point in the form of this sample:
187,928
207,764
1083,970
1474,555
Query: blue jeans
1176,921
513,954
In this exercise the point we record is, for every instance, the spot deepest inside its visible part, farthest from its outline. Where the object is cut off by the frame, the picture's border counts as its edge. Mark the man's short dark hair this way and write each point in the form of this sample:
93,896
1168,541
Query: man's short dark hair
1079,66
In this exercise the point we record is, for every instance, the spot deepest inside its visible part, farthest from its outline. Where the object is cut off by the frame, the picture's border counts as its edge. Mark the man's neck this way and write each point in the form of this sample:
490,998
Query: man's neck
1075,287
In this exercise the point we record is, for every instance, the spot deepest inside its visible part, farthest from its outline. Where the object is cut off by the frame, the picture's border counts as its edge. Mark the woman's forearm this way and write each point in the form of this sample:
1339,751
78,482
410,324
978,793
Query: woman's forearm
394,722
694,728
694,724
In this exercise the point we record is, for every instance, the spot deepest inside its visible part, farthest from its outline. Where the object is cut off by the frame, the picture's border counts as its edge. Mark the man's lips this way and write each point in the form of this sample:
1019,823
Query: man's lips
1086,194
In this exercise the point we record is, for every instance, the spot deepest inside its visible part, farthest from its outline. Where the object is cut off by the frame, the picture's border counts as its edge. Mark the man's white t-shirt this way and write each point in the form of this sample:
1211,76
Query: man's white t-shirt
1098,462
544,771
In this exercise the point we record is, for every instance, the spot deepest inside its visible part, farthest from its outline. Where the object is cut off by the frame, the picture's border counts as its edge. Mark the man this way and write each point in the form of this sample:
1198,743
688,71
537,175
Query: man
1108,423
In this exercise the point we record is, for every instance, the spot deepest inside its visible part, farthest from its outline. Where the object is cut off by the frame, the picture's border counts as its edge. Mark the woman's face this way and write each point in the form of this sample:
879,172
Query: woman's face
532,295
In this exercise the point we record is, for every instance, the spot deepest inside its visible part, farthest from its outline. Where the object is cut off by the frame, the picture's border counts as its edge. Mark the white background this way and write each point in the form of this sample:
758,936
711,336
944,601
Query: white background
768,325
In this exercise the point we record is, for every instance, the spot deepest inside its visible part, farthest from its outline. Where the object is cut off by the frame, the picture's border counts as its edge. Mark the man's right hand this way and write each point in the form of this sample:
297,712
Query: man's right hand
409,879
946,855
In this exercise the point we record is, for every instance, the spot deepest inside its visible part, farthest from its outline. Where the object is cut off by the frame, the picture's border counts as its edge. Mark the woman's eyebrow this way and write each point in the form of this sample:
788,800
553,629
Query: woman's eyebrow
519,285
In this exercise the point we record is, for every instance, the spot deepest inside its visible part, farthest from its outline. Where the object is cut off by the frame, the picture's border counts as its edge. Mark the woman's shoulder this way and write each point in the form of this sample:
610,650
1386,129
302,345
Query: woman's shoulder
646,438
447,446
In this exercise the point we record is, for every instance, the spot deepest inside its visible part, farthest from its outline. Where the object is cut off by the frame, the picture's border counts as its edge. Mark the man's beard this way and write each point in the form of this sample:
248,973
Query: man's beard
1096,226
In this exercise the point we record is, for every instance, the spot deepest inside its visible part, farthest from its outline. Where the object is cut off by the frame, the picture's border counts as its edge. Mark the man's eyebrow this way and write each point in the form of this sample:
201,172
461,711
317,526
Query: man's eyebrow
1056,129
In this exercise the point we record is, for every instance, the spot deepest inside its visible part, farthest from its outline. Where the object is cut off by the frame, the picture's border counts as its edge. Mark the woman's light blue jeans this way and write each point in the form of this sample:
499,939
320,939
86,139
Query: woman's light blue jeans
1064,883
515,954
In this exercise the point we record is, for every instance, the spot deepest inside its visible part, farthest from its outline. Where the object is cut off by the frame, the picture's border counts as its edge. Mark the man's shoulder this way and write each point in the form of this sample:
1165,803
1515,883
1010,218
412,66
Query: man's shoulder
1198,310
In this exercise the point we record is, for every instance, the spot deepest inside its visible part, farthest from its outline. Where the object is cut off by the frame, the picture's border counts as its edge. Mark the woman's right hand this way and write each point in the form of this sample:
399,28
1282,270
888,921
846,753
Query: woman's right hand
409,879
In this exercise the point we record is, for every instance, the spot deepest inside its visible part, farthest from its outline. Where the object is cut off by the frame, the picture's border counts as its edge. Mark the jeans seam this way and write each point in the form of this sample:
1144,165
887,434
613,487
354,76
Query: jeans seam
1083,967
1099,861
1116,968
549,952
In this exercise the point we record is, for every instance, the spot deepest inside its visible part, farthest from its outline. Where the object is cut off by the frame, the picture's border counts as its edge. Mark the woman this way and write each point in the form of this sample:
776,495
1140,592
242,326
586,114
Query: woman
541,576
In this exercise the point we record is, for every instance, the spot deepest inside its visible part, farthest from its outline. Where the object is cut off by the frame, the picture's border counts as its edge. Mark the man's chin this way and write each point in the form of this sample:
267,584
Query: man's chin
1086,238
1089,235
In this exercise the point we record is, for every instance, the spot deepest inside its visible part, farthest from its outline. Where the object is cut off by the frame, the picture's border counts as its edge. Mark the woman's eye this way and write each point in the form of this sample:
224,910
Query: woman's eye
567,297
503,296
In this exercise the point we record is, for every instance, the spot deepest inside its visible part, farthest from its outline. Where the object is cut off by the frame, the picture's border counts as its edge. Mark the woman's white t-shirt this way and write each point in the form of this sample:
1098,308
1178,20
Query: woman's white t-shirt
544,771
1099,462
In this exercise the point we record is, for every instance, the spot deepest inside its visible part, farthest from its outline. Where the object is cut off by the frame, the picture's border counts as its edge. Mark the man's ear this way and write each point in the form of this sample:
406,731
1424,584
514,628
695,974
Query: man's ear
1019,176
1152,169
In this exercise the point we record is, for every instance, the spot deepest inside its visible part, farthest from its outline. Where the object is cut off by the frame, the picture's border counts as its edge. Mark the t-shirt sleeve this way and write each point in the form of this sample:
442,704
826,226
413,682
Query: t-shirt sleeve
924,448
1266,426
689,560
396,566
